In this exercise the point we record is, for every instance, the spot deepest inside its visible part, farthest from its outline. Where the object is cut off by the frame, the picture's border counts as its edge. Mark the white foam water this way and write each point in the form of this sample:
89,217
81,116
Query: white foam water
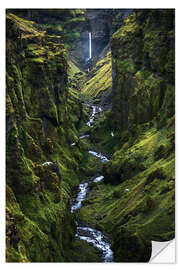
98,155
97,239
98,179
83,136
90,46
47,163
80,197
89,234
91,120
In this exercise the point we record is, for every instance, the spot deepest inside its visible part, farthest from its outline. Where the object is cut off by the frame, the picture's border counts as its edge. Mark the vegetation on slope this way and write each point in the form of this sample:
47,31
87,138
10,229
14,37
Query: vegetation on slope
136,199
67,23
43,115
99,80
135,202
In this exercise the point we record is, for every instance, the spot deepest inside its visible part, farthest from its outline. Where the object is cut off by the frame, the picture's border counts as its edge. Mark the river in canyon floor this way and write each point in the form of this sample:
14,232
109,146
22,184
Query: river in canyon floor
88,234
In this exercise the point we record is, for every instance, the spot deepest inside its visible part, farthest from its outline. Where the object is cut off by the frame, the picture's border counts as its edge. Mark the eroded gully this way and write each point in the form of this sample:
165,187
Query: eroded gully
96,237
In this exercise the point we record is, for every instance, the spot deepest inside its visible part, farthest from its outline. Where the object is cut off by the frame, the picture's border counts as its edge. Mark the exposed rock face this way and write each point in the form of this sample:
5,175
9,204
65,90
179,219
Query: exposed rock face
39,122
143,67
101,23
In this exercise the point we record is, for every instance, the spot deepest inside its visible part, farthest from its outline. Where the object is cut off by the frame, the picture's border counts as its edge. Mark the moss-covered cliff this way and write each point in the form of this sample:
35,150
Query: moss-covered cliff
68,23
143,68
135,204
43,115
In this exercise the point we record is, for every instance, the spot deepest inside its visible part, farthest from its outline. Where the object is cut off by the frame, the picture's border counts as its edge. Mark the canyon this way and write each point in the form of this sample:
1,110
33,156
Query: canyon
90,134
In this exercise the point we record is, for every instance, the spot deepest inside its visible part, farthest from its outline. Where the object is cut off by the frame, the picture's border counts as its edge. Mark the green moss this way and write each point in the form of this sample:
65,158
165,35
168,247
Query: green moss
135,201
129,27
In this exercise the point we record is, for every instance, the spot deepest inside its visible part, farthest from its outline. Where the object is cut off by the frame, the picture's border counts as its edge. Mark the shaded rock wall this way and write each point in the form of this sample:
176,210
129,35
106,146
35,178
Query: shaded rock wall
102,23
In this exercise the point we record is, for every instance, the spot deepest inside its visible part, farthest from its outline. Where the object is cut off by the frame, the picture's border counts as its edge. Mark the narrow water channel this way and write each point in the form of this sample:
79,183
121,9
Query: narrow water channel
89,234
95,110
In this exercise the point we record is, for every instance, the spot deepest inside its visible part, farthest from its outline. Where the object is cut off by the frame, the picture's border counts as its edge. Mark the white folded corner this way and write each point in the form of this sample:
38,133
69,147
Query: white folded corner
163,252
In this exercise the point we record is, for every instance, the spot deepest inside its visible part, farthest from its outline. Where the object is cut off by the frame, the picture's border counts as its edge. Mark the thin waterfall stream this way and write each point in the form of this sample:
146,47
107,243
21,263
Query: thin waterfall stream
90,46
89,234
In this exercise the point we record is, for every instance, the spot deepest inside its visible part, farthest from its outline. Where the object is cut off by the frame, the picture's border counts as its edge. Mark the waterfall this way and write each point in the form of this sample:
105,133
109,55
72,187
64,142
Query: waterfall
90,48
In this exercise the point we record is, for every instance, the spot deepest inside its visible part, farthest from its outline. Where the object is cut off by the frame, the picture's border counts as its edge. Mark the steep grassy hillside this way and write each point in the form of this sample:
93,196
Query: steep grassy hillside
136,201
99,80
135,204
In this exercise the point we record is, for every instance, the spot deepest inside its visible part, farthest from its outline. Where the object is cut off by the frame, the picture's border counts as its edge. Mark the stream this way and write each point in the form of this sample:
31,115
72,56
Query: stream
95,110
89,234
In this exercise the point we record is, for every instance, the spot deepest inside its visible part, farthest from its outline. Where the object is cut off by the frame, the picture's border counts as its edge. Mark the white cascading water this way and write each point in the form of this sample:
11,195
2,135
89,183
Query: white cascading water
89,123
90,46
